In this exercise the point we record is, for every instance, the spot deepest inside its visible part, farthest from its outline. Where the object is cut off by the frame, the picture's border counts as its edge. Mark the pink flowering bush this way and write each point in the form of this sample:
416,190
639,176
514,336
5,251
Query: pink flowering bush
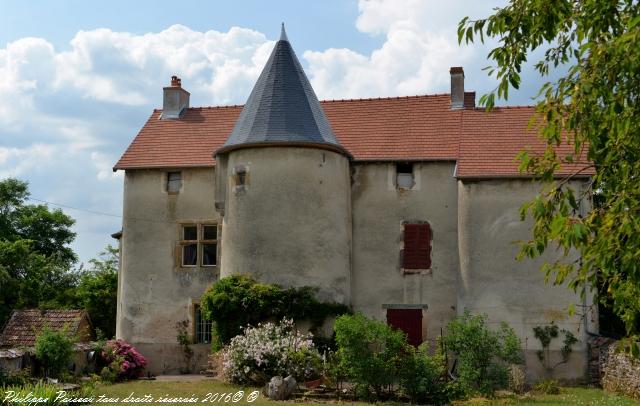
123,359
269,350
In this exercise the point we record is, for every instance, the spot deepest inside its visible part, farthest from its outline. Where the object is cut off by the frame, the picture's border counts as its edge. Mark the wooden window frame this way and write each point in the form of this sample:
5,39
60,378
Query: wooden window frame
200,242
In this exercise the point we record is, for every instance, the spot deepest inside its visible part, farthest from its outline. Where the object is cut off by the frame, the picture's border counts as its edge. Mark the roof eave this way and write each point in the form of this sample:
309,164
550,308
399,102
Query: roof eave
270,144
511,176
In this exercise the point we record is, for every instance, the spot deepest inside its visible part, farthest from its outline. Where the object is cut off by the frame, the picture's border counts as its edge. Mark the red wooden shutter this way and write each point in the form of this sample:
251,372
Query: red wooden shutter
417,246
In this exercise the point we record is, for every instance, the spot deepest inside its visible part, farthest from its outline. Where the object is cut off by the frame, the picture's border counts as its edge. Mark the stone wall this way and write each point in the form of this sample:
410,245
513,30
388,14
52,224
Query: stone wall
621,373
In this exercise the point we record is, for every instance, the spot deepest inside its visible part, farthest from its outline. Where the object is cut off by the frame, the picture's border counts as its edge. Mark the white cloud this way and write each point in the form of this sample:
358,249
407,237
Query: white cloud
15,162
420,46
66,116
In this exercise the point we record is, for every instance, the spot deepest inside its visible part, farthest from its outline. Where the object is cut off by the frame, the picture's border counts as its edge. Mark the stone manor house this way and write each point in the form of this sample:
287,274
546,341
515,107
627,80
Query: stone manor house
405,208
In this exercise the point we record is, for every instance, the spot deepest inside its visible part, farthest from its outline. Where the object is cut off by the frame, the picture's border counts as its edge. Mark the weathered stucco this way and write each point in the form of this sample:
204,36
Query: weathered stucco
492,281
379,210
306,216
155,291
290,223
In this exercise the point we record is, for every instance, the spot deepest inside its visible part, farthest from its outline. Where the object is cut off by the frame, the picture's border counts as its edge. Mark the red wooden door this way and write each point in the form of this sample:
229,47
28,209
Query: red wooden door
409,321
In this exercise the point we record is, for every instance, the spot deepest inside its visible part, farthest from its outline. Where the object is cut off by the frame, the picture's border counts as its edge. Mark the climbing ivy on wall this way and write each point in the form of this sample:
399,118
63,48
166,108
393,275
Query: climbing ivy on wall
237,301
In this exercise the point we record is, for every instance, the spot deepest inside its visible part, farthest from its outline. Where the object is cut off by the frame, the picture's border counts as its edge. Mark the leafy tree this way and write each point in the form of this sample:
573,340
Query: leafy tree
97,291
48,230
35,258
594,106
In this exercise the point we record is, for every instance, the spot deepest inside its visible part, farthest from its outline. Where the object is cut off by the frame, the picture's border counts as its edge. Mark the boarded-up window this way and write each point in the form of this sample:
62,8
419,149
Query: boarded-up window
409,321
174,182
417,246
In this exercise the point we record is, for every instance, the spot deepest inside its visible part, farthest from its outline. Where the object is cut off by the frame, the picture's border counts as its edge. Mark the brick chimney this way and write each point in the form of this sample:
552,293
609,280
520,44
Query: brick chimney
457,87
175,100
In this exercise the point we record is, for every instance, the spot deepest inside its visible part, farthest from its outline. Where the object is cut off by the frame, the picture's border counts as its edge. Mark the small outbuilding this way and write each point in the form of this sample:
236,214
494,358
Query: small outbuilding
18,337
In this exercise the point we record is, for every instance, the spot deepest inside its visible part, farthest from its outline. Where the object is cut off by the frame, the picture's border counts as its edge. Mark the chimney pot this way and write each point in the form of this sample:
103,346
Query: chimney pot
457,87
175,100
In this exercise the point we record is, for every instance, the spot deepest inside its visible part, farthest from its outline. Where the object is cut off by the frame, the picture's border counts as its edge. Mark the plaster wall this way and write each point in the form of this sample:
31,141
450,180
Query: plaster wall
290,223
155,291
379,210
492,281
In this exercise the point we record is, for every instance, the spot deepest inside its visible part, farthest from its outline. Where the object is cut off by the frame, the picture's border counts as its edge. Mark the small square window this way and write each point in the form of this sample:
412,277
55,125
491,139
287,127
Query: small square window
174,182
209,252
240,175
190,233
404,175
209,232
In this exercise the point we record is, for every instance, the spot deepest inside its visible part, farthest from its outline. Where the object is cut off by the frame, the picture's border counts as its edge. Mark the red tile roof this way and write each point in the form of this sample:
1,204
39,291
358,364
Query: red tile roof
397,128
23,326
490,142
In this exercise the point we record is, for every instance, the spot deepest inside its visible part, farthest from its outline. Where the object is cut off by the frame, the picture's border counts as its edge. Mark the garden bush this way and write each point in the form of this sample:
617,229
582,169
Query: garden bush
123,361
54,349
237,301
483,356
547,387
422,376
268,350
14,378
371,353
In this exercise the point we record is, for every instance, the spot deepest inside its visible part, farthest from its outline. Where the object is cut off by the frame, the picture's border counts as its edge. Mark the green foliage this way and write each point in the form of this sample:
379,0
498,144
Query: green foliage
40,390
592,109
378,359
237,301
14,378
370,351
421,376
97,291
483,356
35,258
55,350
547,387
546,334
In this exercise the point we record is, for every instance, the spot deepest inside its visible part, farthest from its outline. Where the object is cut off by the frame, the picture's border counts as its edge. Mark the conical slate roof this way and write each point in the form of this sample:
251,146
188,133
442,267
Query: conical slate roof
282,107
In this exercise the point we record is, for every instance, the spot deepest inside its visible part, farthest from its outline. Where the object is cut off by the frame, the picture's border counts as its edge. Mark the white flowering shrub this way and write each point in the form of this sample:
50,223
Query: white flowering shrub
268,350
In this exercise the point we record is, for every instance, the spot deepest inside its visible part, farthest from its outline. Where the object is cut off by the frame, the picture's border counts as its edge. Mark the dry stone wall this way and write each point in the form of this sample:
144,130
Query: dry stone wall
621,373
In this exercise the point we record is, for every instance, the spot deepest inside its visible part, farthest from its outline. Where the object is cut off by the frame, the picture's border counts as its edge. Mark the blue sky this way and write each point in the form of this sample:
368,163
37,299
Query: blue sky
78,78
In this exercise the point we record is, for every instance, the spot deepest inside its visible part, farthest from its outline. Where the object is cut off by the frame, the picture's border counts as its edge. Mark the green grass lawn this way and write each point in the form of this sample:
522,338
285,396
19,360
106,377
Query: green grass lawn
568,396
200,390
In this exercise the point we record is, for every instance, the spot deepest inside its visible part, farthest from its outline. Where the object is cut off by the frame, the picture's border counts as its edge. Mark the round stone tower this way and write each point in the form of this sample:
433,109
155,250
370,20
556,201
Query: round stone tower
283,186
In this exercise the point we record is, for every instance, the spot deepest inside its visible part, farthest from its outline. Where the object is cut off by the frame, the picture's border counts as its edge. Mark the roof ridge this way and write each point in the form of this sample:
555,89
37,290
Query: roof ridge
416,96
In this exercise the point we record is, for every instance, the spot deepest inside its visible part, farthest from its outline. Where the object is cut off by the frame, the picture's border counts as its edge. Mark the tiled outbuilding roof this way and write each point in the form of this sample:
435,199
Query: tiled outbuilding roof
23,326
421,128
